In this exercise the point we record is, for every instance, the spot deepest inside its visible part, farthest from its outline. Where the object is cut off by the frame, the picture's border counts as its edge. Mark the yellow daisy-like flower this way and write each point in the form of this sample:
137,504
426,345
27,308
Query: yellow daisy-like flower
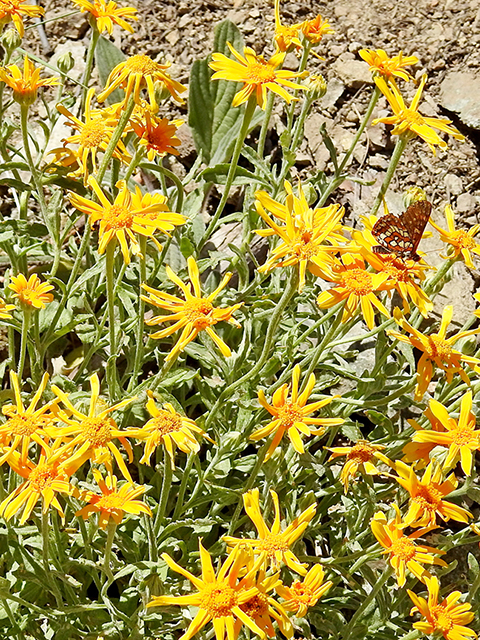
419,452
93,136
219,595
356,286
303,594
408,122
403,550
273,545
460,241
139,72
157,135
4,310
91,435
194,314
461,438
31,293
437,349
258,75
24,426
314,30
170,428
361,456
387,67
12,11
286,37
43,480
291,414
113,503
446,617
107,13
427,496
305,232
130,214
26,84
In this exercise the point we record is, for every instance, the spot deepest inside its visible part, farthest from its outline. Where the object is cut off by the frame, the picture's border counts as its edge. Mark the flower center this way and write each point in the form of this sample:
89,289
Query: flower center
218,599
361,452
199,312
141,65
23,424
403,548
410,117
428,497
165,423
289,414
256,606
303,593
93,134
438,347
9,6
97,430
118,217
260,72
42,477
272,543
357,281
464,436
111,502
441,618
463,239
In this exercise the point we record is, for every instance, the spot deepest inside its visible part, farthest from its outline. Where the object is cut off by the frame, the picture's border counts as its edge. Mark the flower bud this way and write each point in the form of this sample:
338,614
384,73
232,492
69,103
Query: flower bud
317,86
467,345
11,40
65,63
413,194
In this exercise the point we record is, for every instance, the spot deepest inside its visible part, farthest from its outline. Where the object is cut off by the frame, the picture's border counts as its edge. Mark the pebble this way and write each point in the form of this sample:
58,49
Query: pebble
465,202
460,92
354,73
453,184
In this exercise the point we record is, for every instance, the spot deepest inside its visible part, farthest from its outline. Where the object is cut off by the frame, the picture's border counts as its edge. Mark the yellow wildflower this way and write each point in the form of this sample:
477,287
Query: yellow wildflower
106,13
25,85
404,552
257,75
303,594
12,11
286,38
291,415
362,455
157,135
314,30
460,241
407,121
4,310
194,314
31,293
387,67
273,545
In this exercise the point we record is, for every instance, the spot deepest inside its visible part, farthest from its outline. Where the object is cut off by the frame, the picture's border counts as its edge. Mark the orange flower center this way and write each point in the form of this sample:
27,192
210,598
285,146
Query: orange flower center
93,134
118,217
165,423
403,548
23,424
462,239
357,281
428,497
142,65
464,436
218,599
97,431
111,502
361,452
303,593
9,6
441,618
438,347
289,414
199,313
272,543
42,477
28,295
410,117
256,606
159,139
260,72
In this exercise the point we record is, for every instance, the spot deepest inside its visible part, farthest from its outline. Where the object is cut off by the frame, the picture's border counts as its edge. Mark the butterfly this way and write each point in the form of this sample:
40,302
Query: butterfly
401,234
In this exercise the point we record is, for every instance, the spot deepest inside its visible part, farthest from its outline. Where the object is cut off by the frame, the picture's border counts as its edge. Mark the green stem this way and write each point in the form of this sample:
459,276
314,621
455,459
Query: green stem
45,551
11,347
269,337
337,178
394,160
137,158
23,343
117,134
89,64
112,329
247,117
142,269
183,487
366,603
165,492
111,528
152,541
266,121
327,339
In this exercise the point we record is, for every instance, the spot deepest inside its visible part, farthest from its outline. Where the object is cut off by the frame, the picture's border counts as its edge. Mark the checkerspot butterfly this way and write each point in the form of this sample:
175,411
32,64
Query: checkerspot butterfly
401,234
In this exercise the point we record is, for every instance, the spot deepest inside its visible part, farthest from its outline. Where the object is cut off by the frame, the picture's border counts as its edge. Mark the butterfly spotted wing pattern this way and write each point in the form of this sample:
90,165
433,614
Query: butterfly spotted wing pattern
401,235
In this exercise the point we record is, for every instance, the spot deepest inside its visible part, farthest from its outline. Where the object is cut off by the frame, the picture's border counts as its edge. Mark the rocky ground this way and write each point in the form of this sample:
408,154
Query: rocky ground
443,34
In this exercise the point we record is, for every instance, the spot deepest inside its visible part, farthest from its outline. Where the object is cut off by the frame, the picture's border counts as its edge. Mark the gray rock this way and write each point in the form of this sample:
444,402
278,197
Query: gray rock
335,89
465,203
453,184
460,92
354,73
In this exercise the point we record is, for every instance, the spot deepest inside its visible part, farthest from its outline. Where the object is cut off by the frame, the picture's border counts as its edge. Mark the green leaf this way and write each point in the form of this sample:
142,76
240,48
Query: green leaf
328,142
107,56
218,174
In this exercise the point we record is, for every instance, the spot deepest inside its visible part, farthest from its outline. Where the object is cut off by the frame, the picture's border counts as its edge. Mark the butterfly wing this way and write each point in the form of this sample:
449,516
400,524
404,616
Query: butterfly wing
415,220
392,236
